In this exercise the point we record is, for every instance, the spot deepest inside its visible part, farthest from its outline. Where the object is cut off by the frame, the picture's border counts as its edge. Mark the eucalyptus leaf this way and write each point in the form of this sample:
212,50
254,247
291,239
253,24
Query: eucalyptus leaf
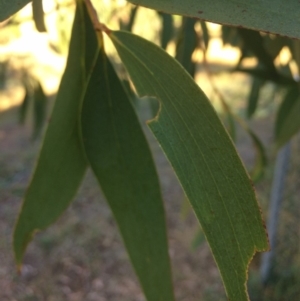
38,15
203,157
24,105
257,84
167,29
274,16
39,109
61,164
9,7
186,45
287,121
121,160
254,42
205,34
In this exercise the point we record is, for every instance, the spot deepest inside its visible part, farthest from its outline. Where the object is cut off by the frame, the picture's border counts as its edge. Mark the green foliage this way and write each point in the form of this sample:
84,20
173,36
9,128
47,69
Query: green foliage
94,124
202,156
7,8
167,31
257,84
38,15
274,16
186,45
121,160
61,164
288,122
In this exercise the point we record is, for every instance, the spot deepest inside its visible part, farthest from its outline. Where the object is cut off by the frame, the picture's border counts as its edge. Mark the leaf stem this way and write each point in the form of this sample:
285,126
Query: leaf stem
94,17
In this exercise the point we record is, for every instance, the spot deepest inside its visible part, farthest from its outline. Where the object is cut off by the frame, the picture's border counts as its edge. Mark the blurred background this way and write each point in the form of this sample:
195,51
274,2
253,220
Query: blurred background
251,79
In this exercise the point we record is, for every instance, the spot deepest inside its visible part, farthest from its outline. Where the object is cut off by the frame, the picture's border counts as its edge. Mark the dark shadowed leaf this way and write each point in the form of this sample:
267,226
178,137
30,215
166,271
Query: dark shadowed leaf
261,160
39,109
273,45
61,164
167,30
205,33
186,45
9,7
24,105
230,36
275,16
121,160
257,84
38,15
295,50
254,42
128,26
203,157
288,122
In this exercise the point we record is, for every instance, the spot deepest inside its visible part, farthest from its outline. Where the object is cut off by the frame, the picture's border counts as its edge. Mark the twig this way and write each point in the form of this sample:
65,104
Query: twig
94,17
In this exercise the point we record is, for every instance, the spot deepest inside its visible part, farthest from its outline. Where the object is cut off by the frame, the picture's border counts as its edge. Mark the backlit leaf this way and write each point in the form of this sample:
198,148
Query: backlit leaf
121,160
275,16
203,157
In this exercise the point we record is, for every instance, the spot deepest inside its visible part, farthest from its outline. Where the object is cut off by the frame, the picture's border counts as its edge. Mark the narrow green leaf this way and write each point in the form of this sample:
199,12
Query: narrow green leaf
167,30
24,105
261,160
128,26
61,164
295,49
273,45
121,160
38,15
198,240
205,34
275,16
186,45
39,109
287,121
229,121
203,158
230,36
260,164
9,7
263,74
257,84
254,42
